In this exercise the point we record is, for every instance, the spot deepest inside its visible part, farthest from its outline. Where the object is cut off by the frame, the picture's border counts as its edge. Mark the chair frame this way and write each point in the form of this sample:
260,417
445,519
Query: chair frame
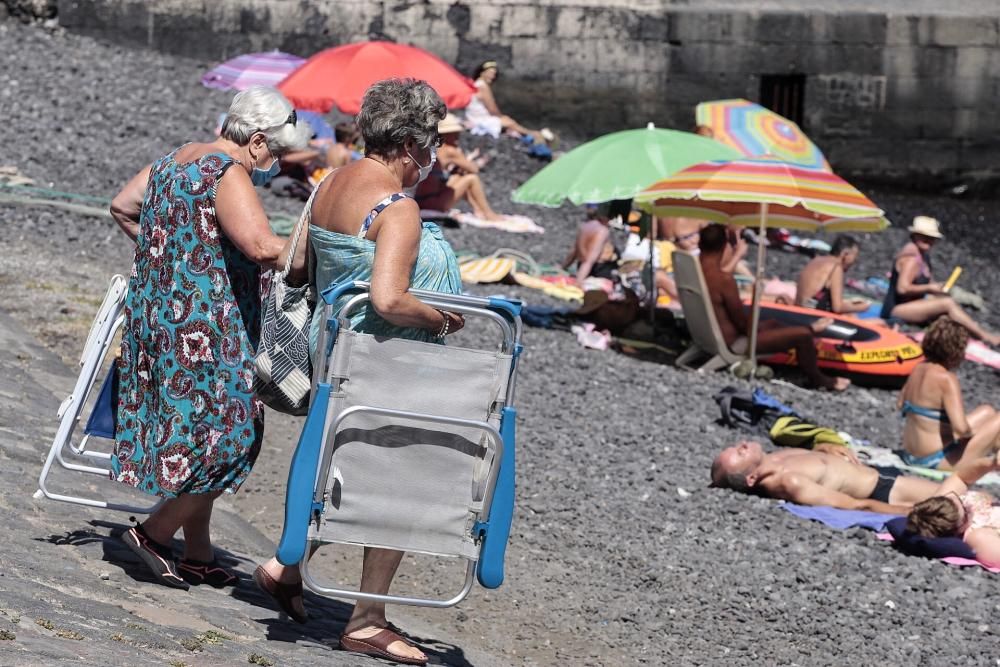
305,499
109,319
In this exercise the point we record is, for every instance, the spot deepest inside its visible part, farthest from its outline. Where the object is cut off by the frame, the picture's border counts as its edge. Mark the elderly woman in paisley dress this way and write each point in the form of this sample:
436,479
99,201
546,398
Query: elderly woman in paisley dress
189,425
364,227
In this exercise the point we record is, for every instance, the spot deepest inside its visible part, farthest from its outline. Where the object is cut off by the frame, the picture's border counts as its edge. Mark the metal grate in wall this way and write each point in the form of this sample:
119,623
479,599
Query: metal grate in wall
784,94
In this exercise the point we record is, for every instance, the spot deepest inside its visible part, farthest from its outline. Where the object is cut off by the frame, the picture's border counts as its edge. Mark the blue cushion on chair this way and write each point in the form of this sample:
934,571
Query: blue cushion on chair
929,547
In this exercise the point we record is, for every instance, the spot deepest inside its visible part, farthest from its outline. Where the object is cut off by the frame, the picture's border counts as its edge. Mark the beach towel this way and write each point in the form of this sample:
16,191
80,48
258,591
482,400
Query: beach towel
510,223
951,560
838,518
559,287
486,269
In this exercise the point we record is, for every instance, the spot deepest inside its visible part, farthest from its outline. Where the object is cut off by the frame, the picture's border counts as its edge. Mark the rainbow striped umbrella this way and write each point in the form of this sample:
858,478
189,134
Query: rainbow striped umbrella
251,69
764,193
756,131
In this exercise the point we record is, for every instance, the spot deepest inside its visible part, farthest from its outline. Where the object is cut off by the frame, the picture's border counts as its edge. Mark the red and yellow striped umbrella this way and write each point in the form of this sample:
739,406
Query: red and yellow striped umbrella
763,192
739,191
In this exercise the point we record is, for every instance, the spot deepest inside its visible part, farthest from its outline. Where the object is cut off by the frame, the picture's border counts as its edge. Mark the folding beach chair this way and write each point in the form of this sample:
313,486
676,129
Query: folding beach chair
706,337
407,445
91,458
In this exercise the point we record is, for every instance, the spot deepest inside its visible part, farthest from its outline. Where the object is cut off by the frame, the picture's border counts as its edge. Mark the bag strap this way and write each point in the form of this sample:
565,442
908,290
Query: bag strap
303,219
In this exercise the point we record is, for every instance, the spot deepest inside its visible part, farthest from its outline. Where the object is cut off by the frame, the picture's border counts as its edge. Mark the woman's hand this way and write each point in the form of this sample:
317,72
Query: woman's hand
127,204
455,321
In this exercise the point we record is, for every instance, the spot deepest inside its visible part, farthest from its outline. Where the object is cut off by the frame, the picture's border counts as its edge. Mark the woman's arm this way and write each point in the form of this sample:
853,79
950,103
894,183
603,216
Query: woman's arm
127,204
486,97
954,408
244,222
908,269
455,157
397,242
985,542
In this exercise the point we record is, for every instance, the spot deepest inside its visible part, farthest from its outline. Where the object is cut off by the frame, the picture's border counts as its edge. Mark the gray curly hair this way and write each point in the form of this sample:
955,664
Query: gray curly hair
263,109
395,110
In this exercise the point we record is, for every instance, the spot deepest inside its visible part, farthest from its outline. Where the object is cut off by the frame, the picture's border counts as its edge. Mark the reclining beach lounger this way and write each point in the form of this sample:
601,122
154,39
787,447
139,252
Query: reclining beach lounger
440,415
99,424
706,337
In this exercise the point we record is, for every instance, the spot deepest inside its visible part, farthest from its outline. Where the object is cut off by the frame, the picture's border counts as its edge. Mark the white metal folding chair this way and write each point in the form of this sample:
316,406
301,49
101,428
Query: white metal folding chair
99,424
443,416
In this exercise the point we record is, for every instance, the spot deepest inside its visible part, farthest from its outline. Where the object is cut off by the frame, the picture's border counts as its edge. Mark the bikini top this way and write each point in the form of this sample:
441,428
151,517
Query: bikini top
379,207
910,408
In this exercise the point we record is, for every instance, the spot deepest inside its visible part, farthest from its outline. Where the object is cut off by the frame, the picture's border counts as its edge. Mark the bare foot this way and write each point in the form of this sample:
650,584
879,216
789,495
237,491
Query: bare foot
398,647
838,384
821,324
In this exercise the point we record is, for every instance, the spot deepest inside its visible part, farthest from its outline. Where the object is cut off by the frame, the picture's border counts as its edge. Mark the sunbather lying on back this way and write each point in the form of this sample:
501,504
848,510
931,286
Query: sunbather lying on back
826,475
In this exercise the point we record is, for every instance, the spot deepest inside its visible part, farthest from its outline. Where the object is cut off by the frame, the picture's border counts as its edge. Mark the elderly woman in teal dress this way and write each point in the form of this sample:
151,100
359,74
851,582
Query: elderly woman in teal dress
189,426
364,227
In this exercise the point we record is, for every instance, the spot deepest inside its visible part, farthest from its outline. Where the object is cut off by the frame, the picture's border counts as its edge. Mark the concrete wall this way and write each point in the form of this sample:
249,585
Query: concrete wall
908,91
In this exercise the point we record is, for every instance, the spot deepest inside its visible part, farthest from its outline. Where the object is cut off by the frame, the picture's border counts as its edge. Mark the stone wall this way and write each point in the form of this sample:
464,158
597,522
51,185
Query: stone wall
909,91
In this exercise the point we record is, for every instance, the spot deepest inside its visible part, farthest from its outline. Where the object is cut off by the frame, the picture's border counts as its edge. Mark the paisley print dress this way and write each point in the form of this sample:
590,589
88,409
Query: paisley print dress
188,419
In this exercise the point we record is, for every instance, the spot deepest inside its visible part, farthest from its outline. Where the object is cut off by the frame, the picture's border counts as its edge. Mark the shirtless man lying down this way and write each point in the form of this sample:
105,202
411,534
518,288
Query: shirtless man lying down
828,475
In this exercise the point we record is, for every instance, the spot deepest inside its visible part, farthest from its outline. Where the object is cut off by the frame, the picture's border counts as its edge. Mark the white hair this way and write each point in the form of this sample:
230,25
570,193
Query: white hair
265,110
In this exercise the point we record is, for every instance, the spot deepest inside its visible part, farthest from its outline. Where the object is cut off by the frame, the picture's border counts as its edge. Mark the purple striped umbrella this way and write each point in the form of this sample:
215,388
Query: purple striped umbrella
252,69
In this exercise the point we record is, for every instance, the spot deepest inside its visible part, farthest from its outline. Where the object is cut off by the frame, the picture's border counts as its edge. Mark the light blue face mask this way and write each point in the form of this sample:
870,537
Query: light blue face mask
261,177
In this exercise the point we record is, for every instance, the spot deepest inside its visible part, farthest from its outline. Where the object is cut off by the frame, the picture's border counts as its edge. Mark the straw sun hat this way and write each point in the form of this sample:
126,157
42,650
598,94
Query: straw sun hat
450,124
926,226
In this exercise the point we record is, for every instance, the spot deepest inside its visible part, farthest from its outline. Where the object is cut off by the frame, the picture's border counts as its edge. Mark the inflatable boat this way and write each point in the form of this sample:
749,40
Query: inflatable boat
867,354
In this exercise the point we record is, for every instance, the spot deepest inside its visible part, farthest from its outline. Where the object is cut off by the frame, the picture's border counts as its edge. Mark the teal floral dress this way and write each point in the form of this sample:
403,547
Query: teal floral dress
188,419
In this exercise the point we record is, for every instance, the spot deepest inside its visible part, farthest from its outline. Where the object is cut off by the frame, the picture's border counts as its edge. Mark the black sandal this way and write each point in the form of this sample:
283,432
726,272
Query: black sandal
157,557
197,572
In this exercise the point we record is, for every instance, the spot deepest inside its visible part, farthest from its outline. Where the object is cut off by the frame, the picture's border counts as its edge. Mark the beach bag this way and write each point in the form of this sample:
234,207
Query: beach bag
789,431
754,411
282,363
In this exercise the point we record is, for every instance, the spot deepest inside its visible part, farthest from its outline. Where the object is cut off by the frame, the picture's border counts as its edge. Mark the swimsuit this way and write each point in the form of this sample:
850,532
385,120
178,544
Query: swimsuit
886,480
911,408
894,298
934,459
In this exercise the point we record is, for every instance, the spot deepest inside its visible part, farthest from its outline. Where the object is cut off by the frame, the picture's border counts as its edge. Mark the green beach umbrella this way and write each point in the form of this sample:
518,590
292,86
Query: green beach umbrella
618,166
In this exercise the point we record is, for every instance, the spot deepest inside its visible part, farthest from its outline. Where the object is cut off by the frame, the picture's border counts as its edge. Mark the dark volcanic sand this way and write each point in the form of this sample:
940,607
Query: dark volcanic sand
619,554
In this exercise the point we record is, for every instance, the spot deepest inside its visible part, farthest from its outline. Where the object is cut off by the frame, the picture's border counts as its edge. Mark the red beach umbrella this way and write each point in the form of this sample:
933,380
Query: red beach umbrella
340,76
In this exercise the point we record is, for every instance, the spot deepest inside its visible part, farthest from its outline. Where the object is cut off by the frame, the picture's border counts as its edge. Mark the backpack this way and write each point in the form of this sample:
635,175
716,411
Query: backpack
754,411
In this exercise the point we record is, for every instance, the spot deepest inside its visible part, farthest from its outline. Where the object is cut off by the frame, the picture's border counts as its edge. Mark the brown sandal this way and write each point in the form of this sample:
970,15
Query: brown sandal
378,645
283,594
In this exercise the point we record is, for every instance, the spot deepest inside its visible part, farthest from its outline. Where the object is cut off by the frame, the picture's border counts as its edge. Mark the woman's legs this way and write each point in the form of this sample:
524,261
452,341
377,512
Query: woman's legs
508,123
985,440
197,538
368,618
175,513
471,187
923,310
772,338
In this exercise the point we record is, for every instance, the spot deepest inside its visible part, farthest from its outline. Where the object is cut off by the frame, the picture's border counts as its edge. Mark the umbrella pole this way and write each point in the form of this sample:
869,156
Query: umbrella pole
652,272
757,288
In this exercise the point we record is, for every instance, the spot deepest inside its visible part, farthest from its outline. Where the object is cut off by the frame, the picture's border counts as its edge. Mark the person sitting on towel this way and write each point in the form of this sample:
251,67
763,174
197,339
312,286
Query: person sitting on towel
821,282
455,176
955,511
937,431
716,244
828,475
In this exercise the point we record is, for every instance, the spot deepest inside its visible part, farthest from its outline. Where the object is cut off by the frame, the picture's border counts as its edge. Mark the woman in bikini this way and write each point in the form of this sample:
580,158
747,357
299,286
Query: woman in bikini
938,433
913,295
821,282
959,512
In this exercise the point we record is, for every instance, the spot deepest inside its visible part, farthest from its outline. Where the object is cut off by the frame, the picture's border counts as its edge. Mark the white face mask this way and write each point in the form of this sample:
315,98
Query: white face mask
424,172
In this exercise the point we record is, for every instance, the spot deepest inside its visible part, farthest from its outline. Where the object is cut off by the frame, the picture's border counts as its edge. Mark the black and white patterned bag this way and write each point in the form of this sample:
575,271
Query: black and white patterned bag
282,362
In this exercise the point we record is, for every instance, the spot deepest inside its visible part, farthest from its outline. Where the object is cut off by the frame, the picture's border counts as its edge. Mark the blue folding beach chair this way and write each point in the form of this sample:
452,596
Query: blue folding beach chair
90,456
441,415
